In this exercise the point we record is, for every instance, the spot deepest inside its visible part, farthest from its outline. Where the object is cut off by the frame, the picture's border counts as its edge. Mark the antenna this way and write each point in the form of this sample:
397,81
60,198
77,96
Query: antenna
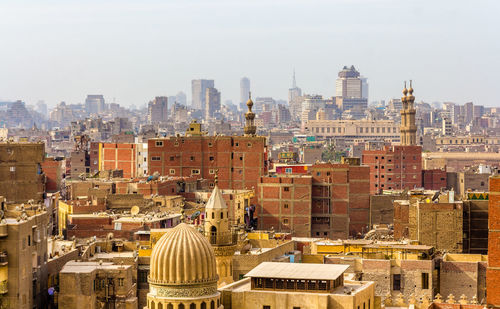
294,82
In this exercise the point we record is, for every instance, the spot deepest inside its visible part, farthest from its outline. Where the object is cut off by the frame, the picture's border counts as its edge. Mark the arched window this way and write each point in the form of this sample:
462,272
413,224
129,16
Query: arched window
192,306
203,305
170,306
212,305
152,305
221,215
160,306
181,306
213,215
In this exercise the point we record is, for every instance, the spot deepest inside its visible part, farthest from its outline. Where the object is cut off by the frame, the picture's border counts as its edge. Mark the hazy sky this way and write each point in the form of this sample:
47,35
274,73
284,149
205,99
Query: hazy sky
135,50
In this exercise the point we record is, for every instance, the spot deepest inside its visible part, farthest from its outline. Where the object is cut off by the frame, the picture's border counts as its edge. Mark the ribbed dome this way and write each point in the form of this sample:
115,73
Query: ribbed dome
182,256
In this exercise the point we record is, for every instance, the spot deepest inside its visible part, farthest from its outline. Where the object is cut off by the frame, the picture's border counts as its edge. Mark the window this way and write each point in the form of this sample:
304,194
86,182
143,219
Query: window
266,307
211,158
176,144
211,171
172,171
285,206
192,158
249,145
285,221
288,170
222,215
156,158
286,189
210,144
241,158
396,282
195,172
159,144
425,281
120,281
172,158
236,144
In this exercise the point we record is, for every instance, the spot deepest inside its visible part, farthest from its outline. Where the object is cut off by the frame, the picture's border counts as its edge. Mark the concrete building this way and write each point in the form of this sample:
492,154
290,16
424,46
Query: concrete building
115,156
21,174
295,98
212,102
446,128
158,110
348,83
199,90
95,104
311,286
96,285
244,92
354,130
23,255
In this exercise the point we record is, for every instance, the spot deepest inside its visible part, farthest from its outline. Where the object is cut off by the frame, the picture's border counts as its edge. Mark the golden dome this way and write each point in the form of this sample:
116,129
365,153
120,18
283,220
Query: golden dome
182,256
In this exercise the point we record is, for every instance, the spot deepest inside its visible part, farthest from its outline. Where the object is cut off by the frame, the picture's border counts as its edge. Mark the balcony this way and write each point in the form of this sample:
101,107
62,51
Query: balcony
4,287
222,238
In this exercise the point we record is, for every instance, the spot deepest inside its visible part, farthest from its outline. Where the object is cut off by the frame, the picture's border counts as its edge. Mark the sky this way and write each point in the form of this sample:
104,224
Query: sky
132,51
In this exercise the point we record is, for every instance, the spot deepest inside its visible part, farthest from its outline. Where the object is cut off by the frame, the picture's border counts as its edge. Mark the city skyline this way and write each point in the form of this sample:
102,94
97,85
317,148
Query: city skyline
70,50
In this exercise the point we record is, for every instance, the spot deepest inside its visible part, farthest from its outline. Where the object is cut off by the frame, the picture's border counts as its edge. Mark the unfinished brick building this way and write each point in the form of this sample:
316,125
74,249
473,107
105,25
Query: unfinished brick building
333,201
114,156
394,167
239,160
493,271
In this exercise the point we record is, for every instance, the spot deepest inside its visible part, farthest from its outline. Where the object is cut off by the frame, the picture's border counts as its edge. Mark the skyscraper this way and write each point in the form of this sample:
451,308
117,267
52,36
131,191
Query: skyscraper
348,85
198,88
295,98
212,102
94,104
364,87
180,98
158,110
244,92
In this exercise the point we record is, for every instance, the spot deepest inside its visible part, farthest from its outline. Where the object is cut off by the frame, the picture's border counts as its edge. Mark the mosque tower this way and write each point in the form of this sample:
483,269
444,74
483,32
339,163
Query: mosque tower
408,129
220,234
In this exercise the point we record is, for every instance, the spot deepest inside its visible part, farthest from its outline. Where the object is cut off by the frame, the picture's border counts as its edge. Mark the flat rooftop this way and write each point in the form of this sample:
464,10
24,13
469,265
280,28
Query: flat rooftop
298,271
88,267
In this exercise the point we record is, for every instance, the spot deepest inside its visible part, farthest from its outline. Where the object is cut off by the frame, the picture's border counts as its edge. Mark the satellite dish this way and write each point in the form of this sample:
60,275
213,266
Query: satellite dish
134,210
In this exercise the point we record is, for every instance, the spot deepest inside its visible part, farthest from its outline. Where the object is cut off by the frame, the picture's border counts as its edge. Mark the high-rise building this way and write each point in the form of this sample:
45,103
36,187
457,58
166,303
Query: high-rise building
95,104
158,110
180,98
348,84
244,92
199,88
408,128
364,87
212,102
446,129
468,112
295,98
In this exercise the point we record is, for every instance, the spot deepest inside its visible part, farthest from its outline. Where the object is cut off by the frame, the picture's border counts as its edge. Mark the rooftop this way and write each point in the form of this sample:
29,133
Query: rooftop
298,271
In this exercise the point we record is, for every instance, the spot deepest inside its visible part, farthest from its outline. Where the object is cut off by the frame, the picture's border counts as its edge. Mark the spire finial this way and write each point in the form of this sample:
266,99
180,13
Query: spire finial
249,95
405,91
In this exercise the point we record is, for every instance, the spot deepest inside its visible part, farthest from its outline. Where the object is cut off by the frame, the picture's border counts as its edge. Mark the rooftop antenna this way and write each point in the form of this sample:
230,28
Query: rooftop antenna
294,83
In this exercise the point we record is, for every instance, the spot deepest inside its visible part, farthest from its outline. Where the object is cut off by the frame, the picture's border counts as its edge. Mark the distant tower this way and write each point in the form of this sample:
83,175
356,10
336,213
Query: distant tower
408,128
294,98
250,128
244,91
212,102
219,234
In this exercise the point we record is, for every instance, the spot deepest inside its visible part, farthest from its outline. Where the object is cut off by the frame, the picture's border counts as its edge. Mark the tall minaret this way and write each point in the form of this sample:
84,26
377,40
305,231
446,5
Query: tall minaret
250,128
220,235
408,128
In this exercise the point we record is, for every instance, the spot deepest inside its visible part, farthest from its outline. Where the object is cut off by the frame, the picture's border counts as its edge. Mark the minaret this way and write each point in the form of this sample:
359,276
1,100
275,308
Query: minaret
220,235
250,128
408,128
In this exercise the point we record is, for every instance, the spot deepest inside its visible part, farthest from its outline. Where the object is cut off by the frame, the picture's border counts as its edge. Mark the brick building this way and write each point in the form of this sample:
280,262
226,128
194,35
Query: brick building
332,201
493,271
394,167
114,156
239,160
434,179
54,169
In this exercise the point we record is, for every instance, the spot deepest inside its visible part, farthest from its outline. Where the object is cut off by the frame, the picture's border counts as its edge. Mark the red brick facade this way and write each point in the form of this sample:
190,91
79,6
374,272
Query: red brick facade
332,201
240,160
434,179
114,156
394,167
493,272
